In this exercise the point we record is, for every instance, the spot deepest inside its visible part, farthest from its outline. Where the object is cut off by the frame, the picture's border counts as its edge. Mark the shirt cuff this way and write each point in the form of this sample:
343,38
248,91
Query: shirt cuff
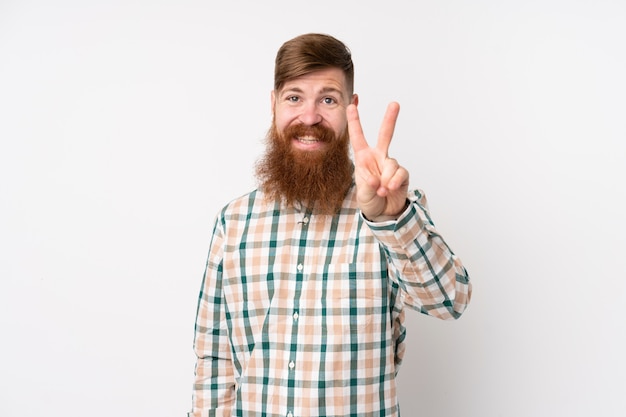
413,225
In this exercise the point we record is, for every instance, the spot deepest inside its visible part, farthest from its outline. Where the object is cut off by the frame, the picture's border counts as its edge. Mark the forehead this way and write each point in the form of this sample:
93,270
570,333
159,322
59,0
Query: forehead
317,81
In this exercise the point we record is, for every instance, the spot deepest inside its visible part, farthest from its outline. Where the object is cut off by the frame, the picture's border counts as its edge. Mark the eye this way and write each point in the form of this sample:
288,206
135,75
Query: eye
329,100
293,99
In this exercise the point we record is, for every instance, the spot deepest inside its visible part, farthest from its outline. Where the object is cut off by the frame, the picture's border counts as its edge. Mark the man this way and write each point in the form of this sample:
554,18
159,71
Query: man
302,303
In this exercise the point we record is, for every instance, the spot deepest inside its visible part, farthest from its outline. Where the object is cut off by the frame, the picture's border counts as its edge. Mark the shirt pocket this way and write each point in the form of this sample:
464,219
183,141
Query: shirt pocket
356,298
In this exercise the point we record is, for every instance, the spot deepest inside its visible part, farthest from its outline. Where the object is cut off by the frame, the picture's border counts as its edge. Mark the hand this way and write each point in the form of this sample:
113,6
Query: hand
381,183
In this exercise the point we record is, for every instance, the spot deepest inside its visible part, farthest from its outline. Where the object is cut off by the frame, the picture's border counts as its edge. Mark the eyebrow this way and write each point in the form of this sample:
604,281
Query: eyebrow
327,90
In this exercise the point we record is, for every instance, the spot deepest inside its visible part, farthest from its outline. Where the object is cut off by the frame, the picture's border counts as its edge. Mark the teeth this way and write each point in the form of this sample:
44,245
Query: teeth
308,139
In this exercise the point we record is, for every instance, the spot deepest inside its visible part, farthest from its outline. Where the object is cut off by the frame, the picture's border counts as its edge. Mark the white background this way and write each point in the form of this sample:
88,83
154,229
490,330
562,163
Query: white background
126,125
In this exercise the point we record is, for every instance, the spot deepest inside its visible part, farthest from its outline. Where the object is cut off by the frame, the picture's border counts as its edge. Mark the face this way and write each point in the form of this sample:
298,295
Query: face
318,99
307,160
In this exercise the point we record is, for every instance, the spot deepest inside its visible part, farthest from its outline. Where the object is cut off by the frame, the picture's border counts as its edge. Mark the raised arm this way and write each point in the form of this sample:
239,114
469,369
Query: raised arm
432,277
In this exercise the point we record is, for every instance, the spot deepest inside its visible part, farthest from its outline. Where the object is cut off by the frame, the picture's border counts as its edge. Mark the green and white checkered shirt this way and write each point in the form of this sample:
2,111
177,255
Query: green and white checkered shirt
302,315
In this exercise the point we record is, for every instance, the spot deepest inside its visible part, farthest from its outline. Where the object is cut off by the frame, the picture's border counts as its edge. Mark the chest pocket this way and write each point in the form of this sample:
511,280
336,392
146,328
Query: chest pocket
356,299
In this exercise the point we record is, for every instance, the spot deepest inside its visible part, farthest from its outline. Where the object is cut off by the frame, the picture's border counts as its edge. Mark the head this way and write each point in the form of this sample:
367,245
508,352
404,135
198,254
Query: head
308,159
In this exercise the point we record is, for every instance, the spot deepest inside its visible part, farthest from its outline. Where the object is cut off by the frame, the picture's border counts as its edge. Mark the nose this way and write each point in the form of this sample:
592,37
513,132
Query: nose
310,114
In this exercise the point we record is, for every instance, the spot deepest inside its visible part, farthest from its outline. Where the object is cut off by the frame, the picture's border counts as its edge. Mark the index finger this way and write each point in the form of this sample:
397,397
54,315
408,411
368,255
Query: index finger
355,130
387,127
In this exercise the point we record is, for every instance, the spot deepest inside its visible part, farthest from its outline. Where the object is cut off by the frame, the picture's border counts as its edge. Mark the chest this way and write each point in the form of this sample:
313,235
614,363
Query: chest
316,267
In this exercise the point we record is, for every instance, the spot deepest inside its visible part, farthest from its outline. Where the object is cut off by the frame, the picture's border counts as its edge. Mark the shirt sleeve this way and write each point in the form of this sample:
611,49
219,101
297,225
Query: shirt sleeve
432,278
214,385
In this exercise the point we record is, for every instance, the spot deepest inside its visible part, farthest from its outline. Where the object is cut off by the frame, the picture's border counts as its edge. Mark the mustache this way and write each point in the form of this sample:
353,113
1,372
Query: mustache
322,133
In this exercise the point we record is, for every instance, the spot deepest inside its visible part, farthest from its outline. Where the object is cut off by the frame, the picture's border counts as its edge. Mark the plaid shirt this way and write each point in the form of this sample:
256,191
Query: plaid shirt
302,315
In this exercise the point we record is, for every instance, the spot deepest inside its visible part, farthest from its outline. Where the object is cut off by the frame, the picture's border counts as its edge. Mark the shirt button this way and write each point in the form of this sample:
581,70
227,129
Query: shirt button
290,414
292,365
305,220
295,315
300,267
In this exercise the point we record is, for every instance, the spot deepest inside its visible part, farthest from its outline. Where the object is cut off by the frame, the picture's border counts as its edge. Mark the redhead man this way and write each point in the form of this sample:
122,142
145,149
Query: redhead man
302,304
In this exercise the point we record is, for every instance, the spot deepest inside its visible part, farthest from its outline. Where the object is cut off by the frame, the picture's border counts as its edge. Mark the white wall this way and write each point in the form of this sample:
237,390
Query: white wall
124,128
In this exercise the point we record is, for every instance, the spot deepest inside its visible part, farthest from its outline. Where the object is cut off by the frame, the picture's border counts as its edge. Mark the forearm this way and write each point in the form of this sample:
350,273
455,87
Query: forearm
433,279
214,385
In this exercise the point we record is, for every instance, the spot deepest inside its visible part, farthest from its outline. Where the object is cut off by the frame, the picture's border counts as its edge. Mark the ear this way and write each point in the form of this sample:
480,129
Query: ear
355,99
273,98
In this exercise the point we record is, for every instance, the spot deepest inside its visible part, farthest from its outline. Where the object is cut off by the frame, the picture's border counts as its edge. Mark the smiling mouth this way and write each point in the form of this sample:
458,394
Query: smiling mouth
307,139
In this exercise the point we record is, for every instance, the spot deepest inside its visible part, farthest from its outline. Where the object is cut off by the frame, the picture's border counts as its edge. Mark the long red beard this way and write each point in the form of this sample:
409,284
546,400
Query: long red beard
317,179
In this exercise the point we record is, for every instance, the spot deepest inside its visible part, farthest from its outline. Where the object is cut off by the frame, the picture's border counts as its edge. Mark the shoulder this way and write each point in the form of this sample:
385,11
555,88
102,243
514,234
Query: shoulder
246,204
